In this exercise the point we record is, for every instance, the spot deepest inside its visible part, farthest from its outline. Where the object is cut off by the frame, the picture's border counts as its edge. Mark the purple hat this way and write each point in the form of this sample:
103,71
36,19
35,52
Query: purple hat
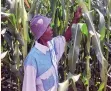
39,25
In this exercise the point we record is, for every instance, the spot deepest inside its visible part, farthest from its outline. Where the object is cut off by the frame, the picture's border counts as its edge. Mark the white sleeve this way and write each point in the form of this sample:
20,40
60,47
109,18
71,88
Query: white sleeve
29,82
59,43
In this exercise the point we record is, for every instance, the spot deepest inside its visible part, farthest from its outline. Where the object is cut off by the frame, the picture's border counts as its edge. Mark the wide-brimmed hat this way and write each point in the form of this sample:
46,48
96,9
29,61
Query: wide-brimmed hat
38,25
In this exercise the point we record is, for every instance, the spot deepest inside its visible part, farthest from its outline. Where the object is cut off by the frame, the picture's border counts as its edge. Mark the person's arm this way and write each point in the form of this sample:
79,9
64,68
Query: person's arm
60,41
59,46
75,20
29,82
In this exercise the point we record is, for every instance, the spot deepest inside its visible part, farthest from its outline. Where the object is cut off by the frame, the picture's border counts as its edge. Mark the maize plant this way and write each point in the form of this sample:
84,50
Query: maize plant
86,62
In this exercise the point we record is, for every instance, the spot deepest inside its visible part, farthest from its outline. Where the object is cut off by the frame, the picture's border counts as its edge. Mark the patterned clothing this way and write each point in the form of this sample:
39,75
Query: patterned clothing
40,66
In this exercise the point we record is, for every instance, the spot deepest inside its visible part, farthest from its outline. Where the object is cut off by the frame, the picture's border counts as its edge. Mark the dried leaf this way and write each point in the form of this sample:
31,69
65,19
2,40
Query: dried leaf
74,49
3,54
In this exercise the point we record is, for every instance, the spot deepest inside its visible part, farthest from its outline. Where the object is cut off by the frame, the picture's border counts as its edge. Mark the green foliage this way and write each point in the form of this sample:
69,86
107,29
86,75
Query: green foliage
12,19
83,28
101,87
88,53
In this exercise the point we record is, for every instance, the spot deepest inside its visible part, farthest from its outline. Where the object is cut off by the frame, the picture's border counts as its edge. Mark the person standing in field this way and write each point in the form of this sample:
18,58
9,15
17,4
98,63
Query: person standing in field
41,63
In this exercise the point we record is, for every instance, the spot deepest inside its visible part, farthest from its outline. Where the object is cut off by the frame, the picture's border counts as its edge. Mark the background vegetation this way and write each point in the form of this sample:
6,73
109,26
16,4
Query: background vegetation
86,63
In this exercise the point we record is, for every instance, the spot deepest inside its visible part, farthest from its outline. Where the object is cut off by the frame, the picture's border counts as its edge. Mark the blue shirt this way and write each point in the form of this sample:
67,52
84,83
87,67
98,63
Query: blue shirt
40,66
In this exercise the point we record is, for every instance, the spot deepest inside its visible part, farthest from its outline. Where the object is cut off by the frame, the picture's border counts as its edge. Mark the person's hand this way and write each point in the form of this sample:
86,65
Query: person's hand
78,12
77,15
76,18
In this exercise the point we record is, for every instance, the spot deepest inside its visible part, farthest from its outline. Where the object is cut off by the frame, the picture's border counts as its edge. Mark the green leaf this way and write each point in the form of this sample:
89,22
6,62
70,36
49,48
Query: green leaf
109,6
66,12
101,24
102,33
32,10
58,22
12,19
83,28
85,80
74,49
52,25
96,44
63,8
101,87
53,9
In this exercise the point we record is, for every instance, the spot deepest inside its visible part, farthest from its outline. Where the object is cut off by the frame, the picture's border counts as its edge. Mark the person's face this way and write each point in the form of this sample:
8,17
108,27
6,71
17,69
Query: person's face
48,35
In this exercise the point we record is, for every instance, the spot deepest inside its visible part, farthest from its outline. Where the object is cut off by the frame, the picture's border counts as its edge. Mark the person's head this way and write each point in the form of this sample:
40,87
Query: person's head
40,27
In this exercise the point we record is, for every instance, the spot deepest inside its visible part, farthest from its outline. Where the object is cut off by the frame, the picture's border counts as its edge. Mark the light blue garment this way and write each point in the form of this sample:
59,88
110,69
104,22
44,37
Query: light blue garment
41,62
44,63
